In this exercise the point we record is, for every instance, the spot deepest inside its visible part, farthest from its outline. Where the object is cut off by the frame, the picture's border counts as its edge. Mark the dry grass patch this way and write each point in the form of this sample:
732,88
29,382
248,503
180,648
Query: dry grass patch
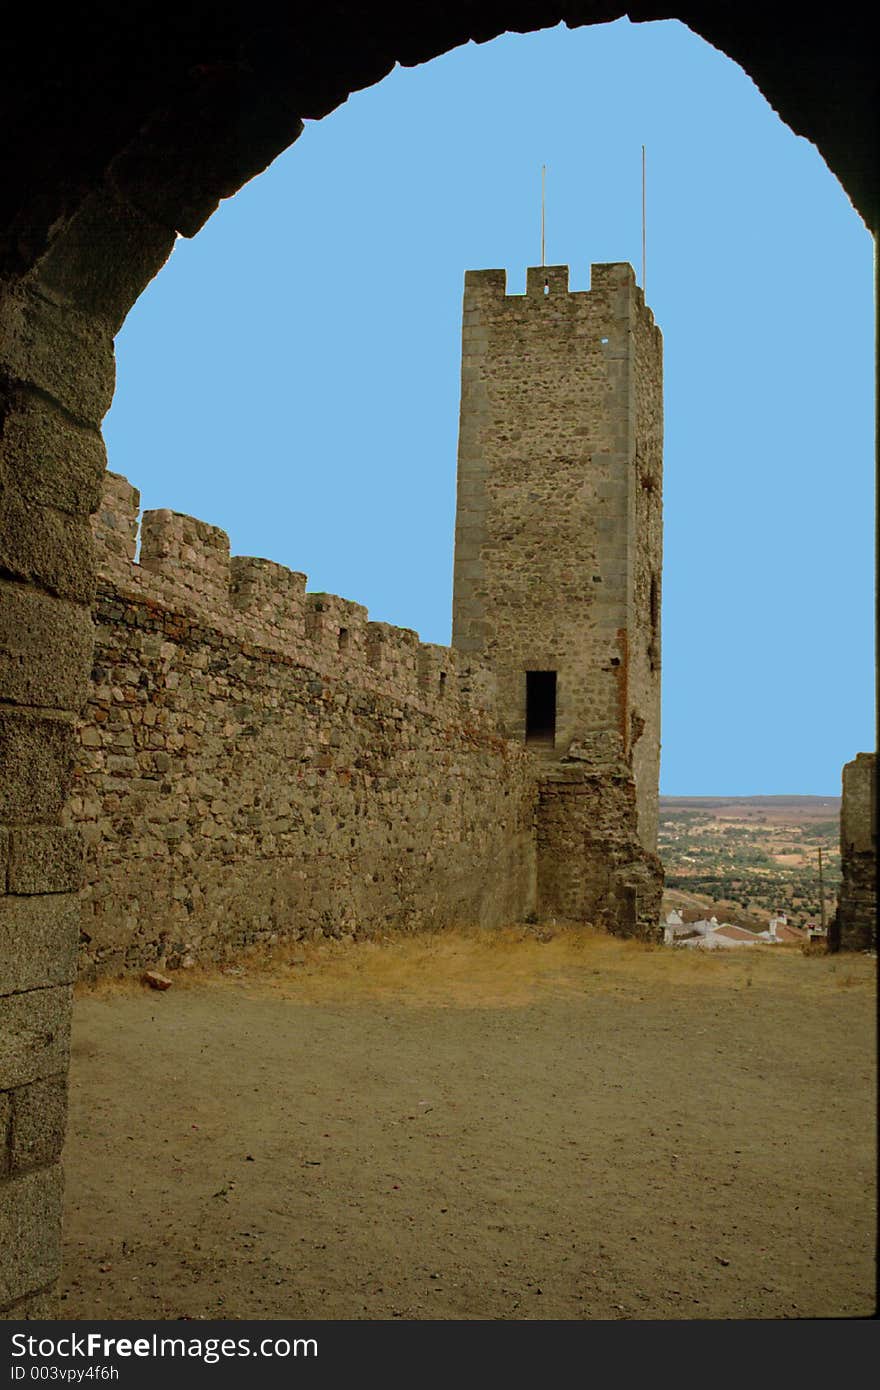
470,968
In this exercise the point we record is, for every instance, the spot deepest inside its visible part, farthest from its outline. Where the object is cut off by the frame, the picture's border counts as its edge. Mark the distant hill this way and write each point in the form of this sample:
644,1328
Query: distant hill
749,800
768,808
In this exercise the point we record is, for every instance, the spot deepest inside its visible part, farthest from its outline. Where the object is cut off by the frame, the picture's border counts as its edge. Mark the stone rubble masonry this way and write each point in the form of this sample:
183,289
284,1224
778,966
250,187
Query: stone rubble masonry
856,925
259,763
558,554
591,865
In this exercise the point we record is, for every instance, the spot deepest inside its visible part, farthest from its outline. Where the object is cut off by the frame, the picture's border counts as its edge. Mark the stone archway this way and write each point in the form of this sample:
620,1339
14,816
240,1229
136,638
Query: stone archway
130,129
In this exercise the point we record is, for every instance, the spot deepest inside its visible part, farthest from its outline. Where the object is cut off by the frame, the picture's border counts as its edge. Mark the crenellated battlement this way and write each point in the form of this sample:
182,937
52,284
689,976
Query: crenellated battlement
393,651
542,281
115,524
185,566
188,552
336,622
438,669
612,289
267,594
488,281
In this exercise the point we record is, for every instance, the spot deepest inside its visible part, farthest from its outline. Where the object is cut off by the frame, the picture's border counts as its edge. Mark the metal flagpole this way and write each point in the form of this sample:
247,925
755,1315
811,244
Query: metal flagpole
644,286
543,190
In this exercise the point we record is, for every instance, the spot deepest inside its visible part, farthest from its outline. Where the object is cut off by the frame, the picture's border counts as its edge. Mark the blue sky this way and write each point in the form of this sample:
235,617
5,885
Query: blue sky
292,374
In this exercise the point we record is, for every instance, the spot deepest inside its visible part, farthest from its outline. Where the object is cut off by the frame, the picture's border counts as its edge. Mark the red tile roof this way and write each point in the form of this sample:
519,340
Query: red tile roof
735,933
786,932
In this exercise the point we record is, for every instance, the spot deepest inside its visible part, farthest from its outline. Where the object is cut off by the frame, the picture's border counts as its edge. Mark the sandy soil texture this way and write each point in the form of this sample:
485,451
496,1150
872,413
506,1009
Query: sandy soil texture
473,1127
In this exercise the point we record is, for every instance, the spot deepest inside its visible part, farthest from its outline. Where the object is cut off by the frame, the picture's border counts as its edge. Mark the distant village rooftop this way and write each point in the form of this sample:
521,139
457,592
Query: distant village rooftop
710,934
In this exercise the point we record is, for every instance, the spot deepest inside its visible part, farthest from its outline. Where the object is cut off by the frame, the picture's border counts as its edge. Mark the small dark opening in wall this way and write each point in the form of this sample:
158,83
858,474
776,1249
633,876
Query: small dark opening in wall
442,682
654,643
343,638
655,605
541,707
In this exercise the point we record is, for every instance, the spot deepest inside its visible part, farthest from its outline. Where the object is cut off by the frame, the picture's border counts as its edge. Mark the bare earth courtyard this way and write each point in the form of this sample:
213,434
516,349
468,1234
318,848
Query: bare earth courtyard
468,1126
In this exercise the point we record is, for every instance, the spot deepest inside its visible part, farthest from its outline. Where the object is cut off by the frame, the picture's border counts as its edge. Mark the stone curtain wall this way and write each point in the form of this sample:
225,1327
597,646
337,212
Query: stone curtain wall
258,763
856,925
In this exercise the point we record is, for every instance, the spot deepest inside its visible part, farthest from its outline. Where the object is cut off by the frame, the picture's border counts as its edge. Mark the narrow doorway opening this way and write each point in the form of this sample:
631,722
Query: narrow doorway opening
541,707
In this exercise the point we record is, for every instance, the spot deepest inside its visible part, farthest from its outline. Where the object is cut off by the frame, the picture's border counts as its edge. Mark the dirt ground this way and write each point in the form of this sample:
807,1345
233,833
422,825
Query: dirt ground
477,1127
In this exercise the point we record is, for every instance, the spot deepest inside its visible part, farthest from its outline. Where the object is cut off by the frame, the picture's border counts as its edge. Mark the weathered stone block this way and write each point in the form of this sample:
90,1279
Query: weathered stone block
45,649
30,1232
38,937
5,1131
45,860
49,459
35,755
133,250
63,352
34,1035
46,546
39,1121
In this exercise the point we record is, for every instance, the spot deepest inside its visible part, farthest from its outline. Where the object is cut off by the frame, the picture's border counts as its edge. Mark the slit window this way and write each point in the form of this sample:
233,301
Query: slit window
655,605
541,707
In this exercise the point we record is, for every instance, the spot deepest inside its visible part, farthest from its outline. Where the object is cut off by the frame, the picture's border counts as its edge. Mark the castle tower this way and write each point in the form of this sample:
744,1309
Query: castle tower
558,541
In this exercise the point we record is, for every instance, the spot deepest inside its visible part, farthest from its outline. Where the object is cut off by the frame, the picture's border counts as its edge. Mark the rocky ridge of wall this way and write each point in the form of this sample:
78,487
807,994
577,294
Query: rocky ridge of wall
258,763
185,566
